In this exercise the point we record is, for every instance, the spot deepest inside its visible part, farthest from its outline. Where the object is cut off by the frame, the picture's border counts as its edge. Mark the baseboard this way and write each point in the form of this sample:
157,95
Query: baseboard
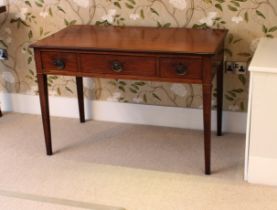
262,170
124,113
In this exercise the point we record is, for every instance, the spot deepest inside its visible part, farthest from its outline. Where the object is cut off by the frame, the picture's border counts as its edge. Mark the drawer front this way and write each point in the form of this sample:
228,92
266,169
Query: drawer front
118,65
59,61
182,68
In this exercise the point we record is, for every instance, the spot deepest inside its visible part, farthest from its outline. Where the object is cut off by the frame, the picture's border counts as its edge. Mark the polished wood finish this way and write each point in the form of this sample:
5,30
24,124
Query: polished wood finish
50,61
139,53
43,94
131,65
135,39
207,106
189,68
44,103
220,96
80,94
85,66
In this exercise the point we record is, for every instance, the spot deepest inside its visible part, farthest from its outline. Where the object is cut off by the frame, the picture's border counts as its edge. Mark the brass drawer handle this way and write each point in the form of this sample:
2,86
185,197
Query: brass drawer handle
59,63
181,69
117,66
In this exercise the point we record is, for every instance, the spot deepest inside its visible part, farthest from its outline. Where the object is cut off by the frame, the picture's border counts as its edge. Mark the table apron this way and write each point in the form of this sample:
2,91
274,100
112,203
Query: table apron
177,68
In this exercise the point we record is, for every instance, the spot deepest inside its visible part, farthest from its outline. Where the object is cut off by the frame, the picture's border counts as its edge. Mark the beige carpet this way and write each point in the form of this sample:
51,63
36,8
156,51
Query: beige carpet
101,165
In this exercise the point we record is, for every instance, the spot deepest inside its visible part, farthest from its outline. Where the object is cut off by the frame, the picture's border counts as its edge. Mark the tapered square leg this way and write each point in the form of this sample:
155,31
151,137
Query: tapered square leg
44,102
207,105
80,93
219,98
207,110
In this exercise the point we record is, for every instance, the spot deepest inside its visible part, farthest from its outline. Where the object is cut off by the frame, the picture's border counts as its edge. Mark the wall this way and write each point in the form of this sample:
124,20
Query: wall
30,20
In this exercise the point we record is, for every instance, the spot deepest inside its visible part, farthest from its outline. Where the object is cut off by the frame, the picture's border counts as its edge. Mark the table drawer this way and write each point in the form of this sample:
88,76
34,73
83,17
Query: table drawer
118,65
181,67
59,61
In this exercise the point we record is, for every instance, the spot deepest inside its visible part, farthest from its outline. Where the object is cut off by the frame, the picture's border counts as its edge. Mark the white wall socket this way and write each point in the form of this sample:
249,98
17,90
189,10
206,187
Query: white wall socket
236,67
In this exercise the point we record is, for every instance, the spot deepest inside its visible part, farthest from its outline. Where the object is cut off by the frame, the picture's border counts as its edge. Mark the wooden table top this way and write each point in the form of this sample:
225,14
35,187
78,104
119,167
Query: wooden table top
135,39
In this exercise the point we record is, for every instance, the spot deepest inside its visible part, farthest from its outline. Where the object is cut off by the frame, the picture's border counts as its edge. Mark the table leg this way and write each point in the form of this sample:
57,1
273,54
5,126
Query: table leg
219,98
44,102
0,112
207,105
80,93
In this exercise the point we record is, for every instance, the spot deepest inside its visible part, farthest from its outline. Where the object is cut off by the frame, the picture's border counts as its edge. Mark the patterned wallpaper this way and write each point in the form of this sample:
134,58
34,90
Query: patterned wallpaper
30,20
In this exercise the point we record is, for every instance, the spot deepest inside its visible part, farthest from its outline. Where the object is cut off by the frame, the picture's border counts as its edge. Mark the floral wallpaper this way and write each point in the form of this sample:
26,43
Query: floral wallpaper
29,20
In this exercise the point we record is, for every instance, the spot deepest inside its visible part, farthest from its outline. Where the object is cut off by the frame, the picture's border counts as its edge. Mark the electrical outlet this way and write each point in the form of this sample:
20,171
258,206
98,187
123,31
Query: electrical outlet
3,54
236,67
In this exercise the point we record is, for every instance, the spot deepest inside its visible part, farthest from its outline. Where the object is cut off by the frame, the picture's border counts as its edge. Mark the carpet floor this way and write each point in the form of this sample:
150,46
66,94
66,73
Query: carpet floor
110,166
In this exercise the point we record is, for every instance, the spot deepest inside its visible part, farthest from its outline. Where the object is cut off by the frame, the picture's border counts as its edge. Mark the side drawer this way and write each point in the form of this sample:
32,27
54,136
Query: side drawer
59,61
181,67
109,64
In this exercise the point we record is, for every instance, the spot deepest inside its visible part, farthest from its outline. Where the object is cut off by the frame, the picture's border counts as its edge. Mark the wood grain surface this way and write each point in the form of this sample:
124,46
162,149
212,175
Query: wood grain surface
135,39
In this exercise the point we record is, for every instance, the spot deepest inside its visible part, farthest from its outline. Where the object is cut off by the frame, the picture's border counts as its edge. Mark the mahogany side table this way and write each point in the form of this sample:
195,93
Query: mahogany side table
141,53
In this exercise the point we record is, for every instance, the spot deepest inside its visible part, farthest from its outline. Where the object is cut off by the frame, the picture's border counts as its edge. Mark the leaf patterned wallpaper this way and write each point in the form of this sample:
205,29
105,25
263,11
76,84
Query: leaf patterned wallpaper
29,20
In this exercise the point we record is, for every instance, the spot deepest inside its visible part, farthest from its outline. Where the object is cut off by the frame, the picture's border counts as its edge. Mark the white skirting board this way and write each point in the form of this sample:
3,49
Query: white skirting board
262,170
123,113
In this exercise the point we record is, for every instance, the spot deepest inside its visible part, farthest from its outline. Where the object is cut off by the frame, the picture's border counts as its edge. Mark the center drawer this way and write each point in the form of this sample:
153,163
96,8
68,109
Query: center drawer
118,64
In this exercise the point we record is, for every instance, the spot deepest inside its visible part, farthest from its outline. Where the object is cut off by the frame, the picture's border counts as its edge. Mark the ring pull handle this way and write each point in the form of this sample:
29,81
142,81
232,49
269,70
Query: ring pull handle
59,63
117,66
181,69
